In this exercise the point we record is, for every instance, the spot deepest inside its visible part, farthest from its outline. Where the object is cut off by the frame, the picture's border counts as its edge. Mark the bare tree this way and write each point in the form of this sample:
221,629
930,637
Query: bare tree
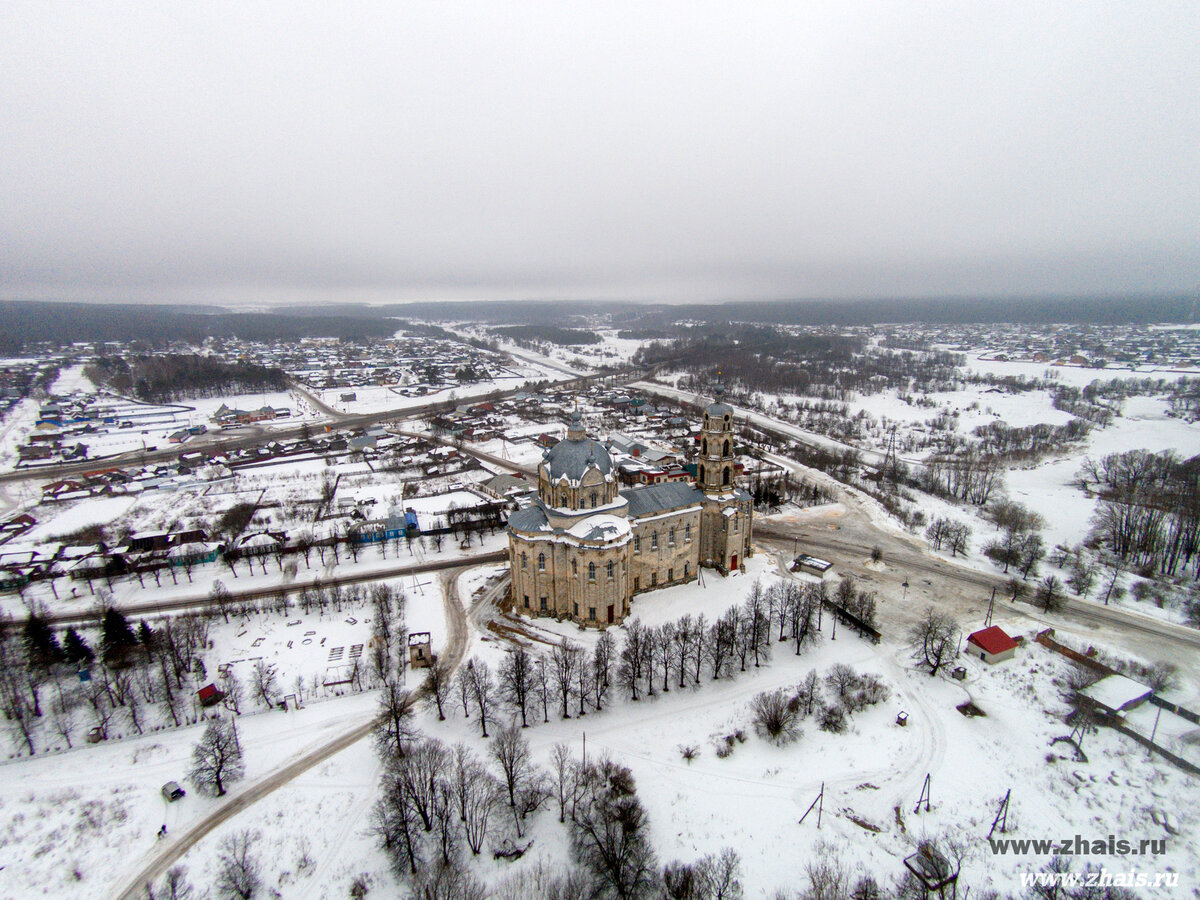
483,687
264,682
234,691
217,758
563,659
602,663
510,749
1050,593
517,682
564,776
541,674
62,717
219,596
842,679
609,833
719,876
394,820
396,730
239,871
776,715
174,886
808,691
477,792
934,639
437,680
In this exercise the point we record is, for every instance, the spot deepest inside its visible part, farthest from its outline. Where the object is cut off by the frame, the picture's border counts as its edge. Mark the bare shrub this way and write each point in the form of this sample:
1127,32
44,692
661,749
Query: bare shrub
775,716
833,719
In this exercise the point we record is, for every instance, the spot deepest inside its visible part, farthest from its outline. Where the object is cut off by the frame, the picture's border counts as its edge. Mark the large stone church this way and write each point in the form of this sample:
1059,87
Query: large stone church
585,548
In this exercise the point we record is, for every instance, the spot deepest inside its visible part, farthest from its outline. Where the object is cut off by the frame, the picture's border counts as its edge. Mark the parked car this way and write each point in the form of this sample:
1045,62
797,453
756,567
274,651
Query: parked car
172,791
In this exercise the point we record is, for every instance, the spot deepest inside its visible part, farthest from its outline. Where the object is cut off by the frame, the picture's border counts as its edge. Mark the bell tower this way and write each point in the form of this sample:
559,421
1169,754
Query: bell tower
715,467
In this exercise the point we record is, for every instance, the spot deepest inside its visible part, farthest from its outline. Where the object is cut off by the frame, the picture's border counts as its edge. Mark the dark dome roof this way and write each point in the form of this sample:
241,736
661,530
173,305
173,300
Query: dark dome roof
718,407
573,457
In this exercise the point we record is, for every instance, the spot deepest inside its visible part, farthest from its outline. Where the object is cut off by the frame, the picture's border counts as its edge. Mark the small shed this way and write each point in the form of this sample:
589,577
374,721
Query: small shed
1115,694
420,651
209,695
992,645
812,565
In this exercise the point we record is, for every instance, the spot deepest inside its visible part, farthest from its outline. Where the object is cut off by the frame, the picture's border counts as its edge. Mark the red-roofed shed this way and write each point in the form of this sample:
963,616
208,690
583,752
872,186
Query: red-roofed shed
209,695
992,645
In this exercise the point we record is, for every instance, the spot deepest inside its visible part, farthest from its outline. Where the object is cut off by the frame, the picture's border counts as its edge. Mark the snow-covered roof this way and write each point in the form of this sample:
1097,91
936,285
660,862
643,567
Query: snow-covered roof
600,528
570,459
262,539
1115,692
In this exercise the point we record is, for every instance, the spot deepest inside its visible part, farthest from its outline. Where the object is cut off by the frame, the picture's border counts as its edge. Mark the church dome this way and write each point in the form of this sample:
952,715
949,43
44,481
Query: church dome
718,407
575,455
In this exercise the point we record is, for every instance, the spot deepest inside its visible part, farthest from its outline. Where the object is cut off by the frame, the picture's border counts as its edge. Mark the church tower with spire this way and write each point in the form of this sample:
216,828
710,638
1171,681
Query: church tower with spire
725,521
715,467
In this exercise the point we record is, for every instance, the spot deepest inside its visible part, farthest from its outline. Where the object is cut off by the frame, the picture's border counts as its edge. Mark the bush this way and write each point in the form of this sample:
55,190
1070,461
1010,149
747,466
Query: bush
775,715
833,719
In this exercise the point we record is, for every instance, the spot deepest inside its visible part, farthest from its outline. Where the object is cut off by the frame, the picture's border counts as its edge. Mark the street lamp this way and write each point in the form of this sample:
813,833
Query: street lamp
905,586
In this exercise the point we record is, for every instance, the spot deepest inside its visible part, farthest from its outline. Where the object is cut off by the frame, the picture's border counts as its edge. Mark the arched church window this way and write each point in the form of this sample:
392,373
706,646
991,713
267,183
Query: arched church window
687,531
574,567
671,536
541,562
563,499
610,569
591,571
701,478
595,498
524,561
725,476
704,447
637,543
726,451
654,540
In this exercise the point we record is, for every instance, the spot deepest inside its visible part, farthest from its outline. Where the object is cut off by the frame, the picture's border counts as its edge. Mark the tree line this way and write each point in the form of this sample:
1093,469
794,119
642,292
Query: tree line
176,376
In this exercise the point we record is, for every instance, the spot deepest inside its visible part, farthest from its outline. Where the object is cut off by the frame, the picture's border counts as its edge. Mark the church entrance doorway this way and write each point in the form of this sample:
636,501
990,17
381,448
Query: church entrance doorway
610,614
733,563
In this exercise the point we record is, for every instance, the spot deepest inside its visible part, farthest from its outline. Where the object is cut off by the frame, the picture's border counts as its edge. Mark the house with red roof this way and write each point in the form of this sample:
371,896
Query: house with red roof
992,645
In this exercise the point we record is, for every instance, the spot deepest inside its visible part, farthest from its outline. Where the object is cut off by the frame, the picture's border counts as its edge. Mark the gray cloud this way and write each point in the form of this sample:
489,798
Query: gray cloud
645,150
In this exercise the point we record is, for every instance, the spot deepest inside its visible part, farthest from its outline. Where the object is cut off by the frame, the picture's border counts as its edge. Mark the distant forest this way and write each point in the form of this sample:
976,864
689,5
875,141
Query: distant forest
826,366
655,316
566,337
167,377
23,324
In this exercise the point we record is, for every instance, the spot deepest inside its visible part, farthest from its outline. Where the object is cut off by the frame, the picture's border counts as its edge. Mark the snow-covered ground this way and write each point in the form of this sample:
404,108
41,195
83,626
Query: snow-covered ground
101,827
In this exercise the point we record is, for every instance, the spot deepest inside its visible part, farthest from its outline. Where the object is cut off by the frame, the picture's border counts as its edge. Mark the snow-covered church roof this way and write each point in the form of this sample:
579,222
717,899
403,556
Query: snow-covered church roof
573,456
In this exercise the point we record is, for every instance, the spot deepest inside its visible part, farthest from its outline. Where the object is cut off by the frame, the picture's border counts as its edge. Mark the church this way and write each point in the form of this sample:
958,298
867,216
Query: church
583,549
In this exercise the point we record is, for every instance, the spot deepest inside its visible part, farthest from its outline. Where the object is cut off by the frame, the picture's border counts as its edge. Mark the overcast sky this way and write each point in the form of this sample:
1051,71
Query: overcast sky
207,151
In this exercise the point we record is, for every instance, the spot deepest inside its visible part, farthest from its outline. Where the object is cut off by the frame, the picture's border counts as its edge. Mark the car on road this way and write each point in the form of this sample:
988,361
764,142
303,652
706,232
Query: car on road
172,791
